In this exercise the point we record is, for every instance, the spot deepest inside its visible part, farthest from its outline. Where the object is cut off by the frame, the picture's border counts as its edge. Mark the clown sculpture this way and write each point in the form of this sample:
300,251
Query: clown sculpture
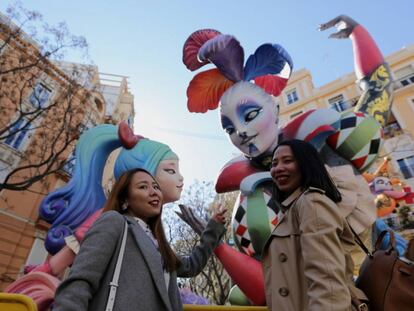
246,96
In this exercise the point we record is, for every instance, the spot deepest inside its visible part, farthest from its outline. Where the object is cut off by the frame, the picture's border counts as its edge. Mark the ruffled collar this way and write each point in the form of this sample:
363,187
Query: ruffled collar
147,230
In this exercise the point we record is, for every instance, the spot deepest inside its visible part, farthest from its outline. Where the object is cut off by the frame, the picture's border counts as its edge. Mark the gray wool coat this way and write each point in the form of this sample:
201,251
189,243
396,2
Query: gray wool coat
141,282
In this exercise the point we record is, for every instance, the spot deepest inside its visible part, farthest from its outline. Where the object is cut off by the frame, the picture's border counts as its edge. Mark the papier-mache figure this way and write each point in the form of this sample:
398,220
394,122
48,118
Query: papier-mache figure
73,208
246,96
390,192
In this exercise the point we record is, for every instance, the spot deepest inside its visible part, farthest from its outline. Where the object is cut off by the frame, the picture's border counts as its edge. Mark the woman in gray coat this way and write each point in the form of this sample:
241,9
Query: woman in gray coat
150,267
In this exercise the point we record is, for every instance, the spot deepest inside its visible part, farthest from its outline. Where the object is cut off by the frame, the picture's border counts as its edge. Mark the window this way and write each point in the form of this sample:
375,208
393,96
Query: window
404,76
21,130
292,96
69,166
407,80
338,103
40,96
407,166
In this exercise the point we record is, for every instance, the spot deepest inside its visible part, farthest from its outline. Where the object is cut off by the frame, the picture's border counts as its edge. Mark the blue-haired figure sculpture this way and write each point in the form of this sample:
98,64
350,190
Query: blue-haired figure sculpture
73,209
67,208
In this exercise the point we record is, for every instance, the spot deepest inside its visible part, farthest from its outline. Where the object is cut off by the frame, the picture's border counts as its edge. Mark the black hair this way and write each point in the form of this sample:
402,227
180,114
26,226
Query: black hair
312,169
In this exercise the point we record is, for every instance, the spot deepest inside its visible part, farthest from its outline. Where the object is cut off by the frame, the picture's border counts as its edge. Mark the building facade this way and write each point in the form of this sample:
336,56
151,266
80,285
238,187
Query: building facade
44,107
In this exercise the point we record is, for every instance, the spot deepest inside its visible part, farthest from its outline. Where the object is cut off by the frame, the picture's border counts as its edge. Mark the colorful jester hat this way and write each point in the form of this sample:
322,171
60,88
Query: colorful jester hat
269,68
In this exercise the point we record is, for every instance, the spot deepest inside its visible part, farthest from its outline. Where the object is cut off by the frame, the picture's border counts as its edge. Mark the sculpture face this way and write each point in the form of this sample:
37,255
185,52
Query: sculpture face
382,184
250,118
170,180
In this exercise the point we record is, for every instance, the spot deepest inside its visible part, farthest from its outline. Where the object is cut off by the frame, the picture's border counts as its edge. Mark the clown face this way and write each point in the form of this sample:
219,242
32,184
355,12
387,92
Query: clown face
382,184
250,118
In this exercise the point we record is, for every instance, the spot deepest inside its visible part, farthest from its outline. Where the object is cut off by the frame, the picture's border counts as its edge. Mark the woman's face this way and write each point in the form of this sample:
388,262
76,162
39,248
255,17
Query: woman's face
170,180
250,118
285,170
144,196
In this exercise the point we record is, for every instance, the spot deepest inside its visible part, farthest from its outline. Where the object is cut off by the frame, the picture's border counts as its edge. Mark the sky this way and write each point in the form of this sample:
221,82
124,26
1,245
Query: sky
143,40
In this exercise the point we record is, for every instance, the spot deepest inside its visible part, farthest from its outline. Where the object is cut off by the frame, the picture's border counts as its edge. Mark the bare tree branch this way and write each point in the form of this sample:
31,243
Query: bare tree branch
48,117
213,282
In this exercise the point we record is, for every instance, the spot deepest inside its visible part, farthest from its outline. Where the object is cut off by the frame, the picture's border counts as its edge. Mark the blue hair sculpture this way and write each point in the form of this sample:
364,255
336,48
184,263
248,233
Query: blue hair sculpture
68,207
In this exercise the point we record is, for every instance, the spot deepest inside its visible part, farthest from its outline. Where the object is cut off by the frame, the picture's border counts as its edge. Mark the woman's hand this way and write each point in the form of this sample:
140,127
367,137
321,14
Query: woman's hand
195,222
219,215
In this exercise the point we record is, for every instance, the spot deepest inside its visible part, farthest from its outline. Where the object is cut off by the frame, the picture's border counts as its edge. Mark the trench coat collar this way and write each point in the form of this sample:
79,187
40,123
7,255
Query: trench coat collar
152,257
282,214
292,198
286,204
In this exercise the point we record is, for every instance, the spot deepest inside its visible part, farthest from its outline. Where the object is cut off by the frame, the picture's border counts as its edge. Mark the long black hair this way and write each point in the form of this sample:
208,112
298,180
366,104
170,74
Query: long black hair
312,169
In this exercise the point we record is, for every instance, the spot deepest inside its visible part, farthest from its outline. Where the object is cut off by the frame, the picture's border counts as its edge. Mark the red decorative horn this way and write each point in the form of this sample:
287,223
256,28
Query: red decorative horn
245,271
127,137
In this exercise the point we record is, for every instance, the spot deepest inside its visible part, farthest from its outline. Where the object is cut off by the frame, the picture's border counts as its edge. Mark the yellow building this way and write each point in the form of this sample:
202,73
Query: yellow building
67,98
342,94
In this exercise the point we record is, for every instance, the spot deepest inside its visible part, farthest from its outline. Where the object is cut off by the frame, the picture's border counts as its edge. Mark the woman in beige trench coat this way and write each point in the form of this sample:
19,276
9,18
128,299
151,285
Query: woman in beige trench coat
306,261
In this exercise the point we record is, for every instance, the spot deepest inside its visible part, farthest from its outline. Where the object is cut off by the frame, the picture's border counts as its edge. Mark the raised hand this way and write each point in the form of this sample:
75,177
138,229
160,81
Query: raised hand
219,214
343,23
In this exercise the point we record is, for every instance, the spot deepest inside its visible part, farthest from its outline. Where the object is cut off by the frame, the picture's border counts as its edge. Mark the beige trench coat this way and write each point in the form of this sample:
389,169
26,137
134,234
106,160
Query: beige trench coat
306,261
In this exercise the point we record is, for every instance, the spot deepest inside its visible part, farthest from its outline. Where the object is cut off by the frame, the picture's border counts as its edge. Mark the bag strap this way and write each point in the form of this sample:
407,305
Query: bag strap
391,246
358,241
115,278
377,243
